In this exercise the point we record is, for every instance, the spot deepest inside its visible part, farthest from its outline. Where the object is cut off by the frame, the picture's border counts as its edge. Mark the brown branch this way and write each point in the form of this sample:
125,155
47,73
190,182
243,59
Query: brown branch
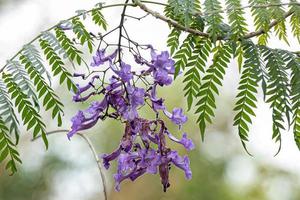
175,24
272,24
168,20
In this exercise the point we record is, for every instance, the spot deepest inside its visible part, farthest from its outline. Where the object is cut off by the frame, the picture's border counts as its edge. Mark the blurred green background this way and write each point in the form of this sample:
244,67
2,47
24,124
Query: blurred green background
221,168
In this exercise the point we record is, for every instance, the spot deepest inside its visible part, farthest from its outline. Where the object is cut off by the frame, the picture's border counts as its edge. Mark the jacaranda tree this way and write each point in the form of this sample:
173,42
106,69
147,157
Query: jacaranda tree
198,36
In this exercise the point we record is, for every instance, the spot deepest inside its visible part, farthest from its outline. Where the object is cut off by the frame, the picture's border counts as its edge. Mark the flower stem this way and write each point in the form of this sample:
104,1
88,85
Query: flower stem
90,145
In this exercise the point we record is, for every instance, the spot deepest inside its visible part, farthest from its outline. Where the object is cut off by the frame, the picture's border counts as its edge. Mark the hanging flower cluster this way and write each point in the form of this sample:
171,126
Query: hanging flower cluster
142,148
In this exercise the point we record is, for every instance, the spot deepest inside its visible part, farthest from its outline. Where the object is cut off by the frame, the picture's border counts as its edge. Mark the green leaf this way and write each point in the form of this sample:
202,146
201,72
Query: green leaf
82,34
27,111
183,54
278,90
236,19
21,77
294,65
7,112
277,13
33,55
42,87
214,76
98,18
72,52
295,19
173,40
246,98
213,17
183,11
195,66
262,19
57,64
8,149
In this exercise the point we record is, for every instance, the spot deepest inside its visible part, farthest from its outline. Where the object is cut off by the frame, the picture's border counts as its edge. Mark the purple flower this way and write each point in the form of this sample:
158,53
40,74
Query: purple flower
125,72
126,162
100,58
80,122
177,116
163,61
136,96
109,157
77,121
130,113
96,107
114,84
162,77
150,160
181,162
143,146
186,142
78,96
157,103
162,66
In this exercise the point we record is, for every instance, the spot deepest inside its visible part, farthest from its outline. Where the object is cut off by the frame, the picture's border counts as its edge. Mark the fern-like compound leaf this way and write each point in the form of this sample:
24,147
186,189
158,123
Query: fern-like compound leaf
236,19
246,98
33,54
57,65
21,77
278,90
262,19
7,112
196,66
277,13
183,11
213,17
54,43
30,116
295,19
82,34
294,65
213,78
173,40
98,18
73,53
184,53
8,149
50,99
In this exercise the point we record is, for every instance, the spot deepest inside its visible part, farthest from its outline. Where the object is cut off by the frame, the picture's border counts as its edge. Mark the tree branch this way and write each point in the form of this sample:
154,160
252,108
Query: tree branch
175,24
90,144
121,28
168,20
272,24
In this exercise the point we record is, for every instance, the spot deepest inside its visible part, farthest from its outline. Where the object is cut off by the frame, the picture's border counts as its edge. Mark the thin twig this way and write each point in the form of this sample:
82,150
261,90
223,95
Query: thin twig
90,144
271,25
121,29
137,18
168,20
98,163
52,27
229,9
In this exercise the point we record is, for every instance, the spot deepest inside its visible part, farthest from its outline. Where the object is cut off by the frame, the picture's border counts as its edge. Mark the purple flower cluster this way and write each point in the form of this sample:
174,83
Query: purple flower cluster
143,147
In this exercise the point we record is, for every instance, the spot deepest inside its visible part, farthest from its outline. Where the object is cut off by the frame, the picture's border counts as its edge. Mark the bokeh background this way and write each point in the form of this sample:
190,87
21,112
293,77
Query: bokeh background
221,168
